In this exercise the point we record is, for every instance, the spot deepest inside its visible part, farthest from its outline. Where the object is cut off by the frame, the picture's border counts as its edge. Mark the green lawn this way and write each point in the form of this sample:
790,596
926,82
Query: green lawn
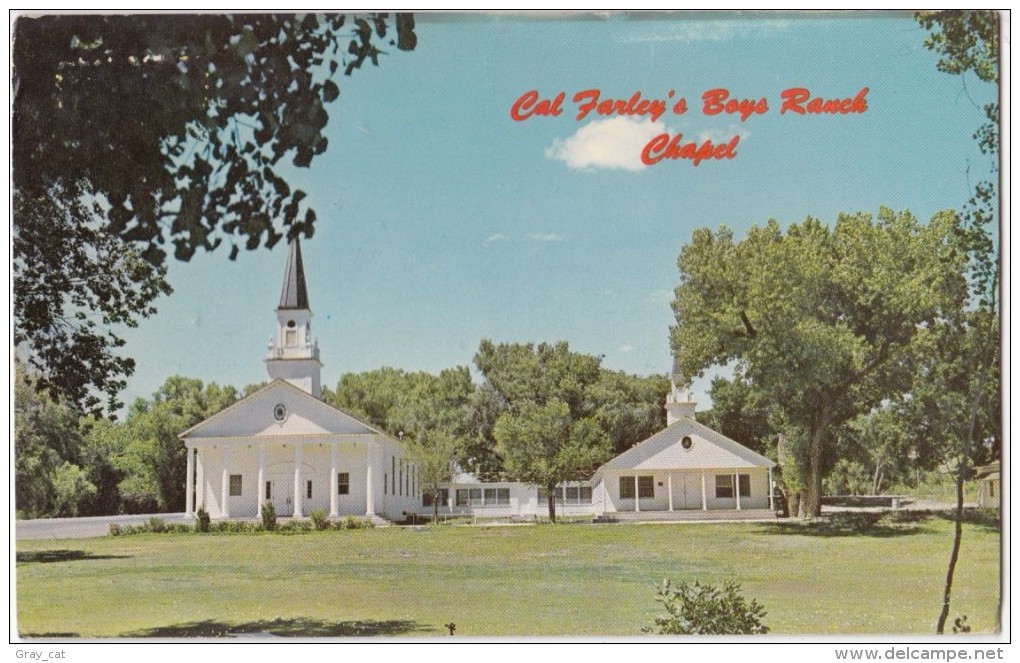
818,578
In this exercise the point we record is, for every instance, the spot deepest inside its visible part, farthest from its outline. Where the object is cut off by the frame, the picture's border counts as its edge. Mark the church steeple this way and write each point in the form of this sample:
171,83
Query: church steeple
678,401
294,295
293,354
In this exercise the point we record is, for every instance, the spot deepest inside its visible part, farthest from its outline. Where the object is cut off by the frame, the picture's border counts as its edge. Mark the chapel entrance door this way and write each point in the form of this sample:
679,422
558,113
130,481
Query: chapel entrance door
692,492
279,493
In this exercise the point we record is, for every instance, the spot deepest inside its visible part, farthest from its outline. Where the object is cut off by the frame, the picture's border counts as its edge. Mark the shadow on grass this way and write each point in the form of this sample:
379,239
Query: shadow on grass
49,556
878,525
55,634
988,520
286,628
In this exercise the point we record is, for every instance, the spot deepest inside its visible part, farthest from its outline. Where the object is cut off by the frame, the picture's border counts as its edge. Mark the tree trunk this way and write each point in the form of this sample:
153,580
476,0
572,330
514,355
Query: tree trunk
793,504
813,503
435,507
944,615
552,504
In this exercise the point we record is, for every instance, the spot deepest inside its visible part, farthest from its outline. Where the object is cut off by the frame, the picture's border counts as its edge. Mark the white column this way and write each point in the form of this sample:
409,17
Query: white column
637,495
333,450
260,487
772,490
189,486
200,479
704,493
225,484
298,459
369,494
669,487
736,488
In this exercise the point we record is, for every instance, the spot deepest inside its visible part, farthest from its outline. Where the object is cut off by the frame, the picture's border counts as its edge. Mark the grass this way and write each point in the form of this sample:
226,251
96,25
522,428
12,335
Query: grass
852,576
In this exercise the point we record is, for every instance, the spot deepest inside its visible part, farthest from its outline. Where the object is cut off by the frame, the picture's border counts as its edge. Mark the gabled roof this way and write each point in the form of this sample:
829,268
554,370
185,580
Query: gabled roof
664,451
253,416
294,294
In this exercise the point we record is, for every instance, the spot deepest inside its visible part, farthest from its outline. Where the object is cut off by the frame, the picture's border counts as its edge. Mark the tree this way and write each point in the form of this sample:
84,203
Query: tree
968,42
154,460
433,451
134,134
548,433
47,447
818,318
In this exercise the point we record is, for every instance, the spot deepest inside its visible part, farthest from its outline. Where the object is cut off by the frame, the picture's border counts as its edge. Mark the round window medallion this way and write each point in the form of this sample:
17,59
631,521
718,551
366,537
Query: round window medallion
280,412
291,324
687,442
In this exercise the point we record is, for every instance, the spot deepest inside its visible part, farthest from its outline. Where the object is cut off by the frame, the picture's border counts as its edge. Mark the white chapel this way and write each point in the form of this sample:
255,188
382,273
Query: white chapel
284,445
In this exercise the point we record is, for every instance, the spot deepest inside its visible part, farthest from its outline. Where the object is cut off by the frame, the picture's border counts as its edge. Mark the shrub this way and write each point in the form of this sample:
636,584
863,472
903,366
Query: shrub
201,520
268,513
696,609
156,525
115,529
295,526
350,522
319,519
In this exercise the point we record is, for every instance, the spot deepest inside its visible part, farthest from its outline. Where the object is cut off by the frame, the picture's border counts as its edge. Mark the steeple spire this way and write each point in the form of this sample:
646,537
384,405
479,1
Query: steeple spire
292,353
294,294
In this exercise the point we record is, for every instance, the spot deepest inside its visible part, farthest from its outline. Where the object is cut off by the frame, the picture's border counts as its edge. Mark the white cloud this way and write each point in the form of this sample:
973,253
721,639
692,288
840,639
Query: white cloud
699,29
626,347
545,237
723,135
498,237
615,143
660,297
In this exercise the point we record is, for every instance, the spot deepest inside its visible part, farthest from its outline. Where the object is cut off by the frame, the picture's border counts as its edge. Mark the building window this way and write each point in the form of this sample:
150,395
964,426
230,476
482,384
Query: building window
646,487
343,483
991,489
469,497
745,484
626,488
385,480
269,490
235,485
442,497
497,496
400,479
309,490
724,486
393,471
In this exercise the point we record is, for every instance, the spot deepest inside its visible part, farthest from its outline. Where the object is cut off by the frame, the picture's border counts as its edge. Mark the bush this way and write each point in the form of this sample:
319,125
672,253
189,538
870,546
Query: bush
115,529
295,527
696,609
156,525
201,520
319,519
350,522
268,513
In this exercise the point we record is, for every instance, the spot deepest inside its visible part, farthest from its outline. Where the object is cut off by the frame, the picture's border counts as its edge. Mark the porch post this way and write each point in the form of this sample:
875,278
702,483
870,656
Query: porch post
333,480
736,487
298,459
225,484
669,487
369,496
199,480
189,486
772,490
637,495
704,492
603,486
260,487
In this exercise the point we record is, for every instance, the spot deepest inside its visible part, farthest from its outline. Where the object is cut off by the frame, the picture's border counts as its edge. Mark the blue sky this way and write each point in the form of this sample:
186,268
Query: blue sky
441,221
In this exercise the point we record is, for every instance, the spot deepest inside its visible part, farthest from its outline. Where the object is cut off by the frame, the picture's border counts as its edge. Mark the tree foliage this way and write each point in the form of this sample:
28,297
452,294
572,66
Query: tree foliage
138,136
548,432
819,319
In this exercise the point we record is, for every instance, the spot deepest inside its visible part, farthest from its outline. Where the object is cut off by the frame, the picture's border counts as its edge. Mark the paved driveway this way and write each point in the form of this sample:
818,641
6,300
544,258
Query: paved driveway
83,528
